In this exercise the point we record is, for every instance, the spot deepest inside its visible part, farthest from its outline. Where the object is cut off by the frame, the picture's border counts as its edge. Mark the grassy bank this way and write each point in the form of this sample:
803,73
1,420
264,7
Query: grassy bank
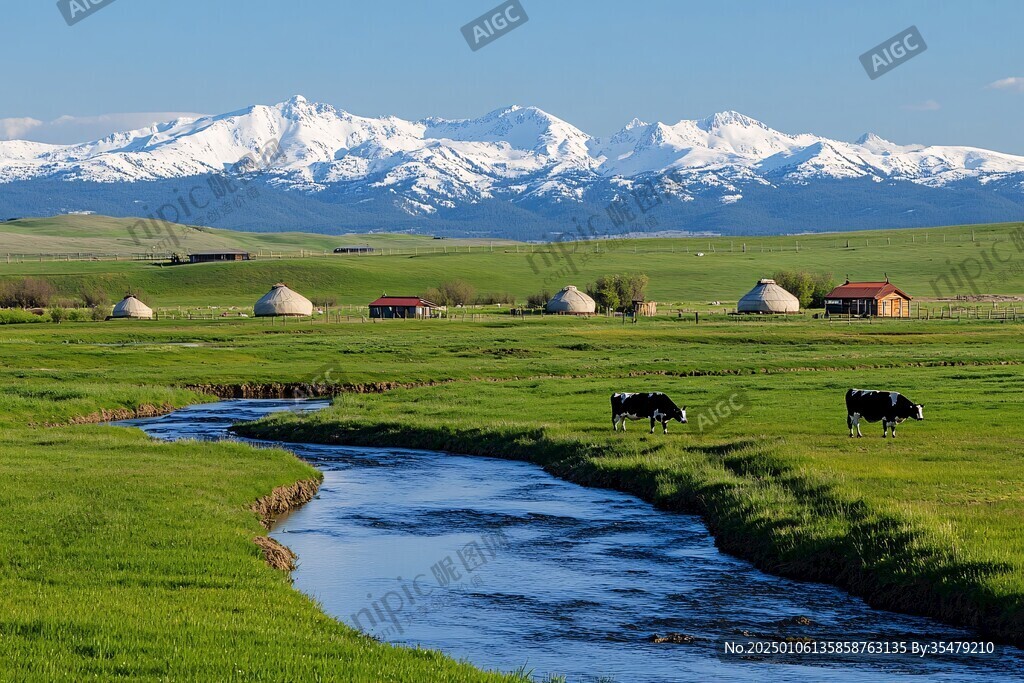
159,536
124,557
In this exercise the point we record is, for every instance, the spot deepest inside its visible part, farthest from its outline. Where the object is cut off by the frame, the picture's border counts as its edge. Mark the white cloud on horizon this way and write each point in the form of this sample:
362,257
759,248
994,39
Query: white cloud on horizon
68,130
1013,83
927,105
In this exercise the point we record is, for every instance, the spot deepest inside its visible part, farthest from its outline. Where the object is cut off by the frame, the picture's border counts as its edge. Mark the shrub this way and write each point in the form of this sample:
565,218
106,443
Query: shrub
617,292
19,315
451,293
57,314
809,288
94,296
29,292
491,299
539,299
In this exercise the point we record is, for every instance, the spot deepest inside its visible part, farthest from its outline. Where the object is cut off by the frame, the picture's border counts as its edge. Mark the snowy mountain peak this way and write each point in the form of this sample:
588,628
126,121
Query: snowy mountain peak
521,154
729,118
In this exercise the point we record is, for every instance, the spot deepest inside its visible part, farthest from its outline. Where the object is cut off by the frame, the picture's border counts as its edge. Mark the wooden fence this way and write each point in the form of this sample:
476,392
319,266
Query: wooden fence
692,245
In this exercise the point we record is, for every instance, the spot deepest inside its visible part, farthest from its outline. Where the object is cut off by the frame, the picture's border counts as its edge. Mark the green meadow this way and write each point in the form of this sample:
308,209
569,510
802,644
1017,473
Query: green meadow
926,263
126,557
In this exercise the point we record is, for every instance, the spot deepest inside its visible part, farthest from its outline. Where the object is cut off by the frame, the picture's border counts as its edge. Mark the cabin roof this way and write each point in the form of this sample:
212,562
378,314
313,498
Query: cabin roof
866,290
402,301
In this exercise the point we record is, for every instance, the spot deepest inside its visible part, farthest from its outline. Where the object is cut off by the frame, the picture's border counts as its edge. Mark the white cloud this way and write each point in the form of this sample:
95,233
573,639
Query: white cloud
927,105
16,129
1013,83
67,130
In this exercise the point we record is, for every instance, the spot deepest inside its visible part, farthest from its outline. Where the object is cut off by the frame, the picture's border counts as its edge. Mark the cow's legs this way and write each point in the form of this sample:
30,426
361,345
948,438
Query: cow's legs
893,429
849,424
854,421
885,427
664,426
653,422
615,423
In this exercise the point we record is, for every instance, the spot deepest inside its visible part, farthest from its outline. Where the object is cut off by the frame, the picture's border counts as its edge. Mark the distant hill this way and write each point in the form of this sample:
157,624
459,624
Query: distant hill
92,234
928,263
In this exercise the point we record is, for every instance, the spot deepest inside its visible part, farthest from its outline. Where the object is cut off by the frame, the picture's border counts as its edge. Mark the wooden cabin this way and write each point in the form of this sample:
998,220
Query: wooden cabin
388,307
866,299
222,255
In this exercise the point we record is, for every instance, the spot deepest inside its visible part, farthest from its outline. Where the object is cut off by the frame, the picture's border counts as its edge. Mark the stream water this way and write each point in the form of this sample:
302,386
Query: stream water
501,564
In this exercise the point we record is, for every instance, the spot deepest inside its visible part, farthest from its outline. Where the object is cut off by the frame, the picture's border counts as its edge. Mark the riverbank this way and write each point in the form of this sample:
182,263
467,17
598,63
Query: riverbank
783,495
126,557
161,535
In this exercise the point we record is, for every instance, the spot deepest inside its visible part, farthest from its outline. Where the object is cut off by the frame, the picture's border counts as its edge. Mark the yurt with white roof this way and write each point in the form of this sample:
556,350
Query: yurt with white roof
571,301
130,307
282,301
768,297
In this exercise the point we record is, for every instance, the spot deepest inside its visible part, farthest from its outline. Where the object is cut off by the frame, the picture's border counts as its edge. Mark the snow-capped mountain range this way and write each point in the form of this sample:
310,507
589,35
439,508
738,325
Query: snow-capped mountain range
520,163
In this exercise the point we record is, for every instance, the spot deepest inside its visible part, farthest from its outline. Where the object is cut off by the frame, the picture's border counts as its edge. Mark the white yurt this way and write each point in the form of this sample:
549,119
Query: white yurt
768,297
571,301
282,301
130,307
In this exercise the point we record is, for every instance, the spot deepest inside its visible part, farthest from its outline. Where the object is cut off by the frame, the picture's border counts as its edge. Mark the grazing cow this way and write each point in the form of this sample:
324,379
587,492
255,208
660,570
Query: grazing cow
891,407
657,406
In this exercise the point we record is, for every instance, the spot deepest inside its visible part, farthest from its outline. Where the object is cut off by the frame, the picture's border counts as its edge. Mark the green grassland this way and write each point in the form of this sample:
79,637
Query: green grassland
129,557
92,234
159,533
926,263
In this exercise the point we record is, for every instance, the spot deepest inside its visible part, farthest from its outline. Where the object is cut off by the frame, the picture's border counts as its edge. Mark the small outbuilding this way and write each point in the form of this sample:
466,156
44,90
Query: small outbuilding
354,250
768,297
282,301
881,299
130,307
219,255
571,301
388,307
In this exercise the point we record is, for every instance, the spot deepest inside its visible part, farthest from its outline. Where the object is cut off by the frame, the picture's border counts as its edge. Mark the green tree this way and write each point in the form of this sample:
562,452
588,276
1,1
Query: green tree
617,292
809,288
605,292
451,293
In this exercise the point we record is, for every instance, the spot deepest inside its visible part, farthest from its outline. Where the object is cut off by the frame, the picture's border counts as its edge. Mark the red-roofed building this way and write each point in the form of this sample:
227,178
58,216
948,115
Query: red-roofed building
881,299
402,307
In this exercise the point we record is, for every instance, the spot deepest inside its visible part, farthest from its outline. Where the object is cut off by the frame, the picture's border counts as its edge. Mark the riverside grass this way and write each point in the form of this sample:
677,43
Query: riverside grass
129,557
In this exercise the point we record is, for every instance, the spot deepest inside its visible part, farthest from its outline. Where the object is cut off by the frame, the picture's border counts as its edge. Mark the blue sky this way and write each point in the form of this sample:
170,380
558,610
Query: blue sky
792,64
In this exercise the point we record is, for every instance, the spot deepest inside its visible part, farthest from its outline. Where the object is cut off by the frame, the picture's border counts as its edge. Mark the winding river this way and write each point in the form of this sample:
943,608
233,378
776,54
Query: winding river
501,564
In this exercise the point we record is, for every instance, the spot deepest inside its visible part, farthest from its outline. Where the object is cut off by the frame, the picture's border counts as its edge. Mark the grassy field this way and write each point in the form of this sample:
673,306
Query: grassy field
927,263
160,535
91,234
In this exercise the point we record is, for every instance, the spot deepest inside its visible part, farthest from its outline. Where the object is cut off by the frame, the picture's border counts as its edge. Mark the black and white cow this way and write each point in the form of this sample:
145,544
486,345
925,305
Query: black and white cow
891,407
657,406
